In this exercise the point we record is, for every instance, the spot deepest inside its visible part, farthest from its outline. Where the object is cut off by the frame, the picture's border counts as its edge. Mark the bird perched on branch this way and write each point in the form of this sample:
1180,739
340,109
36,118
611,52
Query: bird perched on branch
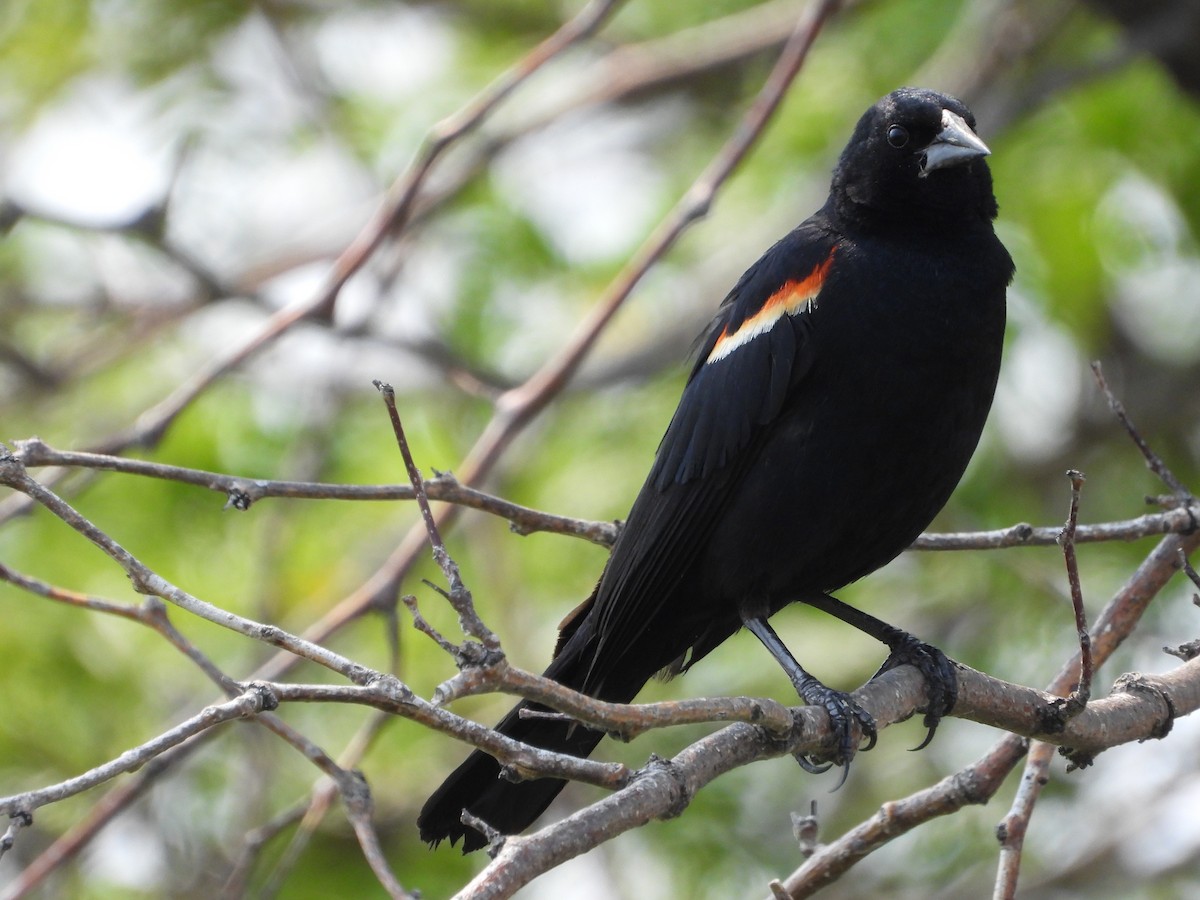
835,402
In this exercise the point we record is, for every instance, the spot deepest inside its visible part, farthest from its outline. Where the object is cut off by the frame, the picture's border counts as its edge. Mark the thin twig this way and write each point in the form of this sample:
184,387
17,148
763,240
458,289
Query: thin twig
253,843
312,813
356,796
422,625
1153,461
17,820
1179,520
146,581
806,830
250,703
1188,649
616,718
459,594
243,491
71,598
1011,831
1191,574
1078,698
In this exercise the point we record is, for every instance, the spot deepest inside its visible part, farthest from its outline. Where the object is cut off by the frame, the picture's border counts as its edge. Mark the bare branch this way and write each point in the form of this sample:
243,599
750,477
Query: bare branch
978,782
1011,831
1078,698
459,595
250,703
242,491
1179,520
623,720
146,581
17,820
71,598
253,843
1191,573
1153,461
356,796
1125,716
665,787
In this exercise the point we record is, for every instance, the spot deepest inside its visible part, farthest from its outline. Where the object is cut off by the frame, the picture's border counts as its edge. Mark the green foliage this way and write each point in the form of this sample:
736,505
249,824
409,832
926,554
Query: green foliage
42,47
500,301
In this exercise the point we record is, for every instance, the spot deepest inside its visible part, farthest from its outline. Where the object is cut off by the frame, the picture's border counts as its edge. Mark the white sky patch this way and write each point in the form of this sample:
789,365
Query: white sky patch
1146,244
262,96
1041,383
383,52
1168,838
92,157
625,868
128,854
586,183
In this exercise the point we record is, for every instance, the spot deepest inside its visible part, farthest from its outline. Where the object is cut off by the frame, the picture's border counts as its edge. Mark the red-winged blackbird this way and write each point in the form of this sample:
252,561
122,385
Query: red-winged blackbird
836,400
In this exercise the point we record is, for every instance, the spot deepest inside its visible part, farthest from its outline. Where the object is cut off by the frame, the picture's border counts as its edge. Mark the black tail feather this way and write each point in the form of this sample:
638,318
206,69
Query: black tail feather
477,785
509,806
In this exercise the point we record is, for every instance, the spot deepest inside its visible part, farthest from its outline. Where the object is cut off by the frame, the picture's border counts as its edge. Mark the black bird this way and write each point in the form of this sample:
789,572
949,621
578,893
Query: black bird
835,402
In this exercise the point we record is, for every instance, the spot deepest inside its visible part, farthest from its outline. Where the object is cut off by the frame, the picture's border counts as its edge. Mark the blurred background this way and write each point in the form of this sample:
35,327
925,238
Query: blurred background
172,173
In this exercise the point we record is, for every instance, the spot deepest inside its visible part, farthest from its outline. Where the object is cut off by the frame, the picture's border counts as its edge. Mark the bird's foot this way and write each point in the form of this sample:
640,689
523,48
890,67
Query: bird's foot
844,712
941,680
844,715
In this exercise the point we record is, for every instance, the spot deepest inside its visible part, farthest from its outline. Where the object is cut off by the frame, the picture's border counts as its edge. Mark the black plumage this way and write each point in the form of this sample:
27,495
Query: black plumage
835,403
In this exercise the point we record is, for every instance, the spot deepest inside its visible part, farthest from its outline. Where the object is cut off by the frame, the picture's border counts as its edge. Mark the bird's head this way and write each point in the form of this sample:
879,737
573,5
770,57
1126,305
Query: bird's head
915,156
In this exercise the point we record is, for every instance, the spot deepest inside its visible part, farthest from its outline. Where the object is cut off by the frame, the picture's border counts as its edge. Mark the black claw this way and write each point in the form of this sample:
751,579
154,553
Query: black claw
811,766
932,730
842,780
940,678
843,713
871,735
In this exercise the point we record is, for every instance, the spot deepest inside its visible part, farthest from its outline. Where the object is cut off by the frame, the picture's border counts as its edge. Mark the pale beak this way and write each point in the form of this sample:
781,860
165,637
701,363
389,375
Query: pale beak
954,145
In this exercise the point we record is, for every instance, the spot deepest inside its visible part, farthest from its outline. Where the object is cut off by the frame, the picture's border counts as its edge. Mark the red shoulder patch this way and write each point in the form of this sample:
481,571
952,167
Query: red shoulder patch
793,297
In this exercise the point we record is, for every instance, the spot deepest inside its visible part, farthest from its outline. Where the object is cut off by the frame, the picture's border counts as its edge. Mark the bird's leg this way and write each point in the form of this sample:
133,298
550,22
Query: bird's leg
842,709
940,678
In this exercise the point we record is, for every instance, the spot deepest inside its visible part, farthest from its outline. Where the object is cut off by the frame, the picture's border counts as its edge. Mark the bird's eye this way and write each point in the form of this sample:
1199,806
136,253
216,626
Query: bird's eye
897,136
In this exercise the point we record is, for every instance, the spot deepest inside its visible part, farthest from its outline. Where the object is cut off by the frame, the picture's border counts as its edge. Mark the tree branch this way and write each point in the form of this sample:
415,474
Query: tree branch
250,703
243,491
978,782
664,788
146,581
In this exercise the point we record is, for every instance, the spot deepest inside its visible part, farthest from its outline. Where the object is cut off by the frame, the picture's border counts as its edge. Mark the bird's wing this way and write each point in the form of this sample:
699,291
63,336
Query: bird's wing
754,353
